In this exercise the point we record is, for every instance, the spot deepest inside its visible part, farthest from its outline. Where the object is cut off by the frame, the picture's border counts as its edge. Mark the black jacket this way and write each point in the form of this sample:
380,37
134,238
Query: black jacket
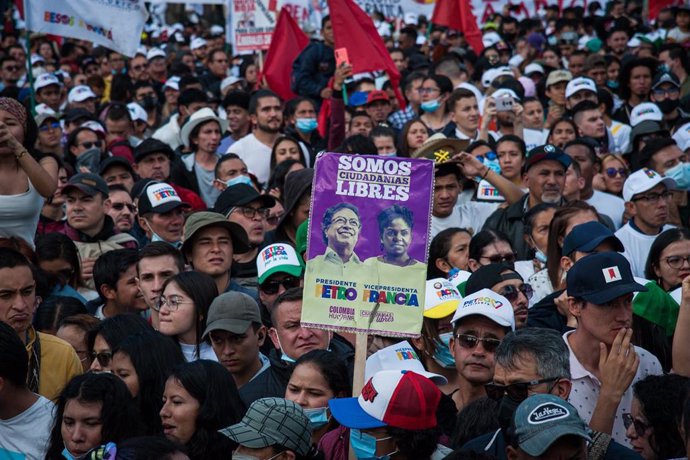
312,69
509,221
545,314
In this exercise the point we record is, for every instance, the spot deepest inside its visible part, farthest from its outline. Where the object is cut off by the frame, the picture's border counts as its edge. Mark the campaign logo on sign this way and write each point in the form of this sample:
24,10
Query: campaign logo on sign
547,412
612,274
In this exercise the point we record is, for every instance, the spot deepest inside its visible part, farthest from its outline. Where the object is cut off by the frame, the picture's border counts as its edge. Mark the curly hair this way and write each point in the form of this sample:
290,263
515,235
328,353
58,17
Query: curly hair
387,216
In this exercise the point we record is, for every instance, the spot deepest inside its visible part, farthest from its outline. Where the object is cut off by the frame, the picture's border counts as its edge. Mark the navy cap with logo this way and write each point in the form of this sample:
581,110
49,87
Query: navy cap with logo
547,152
87,183
602,277
665,77
159,198
241,195
586,237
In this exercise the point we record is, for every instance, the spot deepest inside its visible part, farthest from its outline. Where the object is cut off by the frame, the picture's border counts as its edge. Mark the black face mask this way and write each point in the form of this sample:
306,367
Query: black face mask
667,105
149,102
506,410
509,36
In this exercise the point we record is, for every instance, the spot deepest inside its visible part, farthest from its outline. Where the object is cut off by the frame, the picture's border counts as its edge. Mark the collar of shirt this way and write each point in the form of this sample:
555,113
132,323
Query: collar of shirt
577,370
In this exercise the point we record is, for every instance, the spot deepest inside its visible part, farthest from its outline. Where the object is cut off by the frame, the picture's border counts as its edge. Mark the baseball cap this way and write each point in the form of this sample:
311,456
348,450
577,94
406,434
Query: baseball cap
40,118
397,398
229,81
534,68
665,77
601,277
87,183
580,84
159,197
547,152
202,219
586,237
488,304
150,146
137,112
154,53
646,111
46,79
272,421
503,92
542,419
441,298
240,195
73,115
277,258
487,276
115,161
377,95
489,39
399,356
682,137
197,43
172,83
80,93
492,74
557,76
642,180
233,312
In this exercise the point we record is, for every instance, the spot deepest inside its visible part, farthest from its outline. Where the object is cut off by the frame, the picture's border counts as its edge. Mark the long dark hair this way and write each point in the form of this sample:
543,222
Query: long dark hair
119,415
153,357
661,242
53,246
332,368
483,239
439,249
219,406
202,290
117,328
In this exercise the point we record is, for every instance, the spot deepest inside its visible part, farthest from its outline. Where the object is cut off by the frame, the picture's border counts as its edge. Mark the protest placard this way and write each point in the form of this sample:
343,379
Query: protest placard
368,244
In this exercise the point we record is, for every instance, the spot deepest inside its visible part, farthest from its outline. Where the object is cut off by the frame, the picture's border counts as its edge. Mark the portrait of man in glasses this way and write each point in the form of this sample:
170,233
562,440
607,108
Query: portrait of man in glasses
340,229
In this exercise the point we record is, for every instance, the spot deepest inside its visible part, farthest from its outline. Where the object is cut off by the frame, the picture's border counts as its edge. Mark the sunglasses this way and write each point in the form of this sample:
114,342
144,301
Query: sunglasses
121,206
274,219
511,292
103,357
89,144
273,286
49,126
470,342
518,391
613,172
502,258
640,426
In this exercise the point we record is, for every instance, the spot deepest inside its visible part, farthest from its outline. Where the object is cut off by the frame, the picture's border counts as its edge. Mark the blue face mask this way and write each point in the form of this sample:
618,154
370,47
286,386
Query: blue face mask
491,160
306,125
681,174
430,106
613,84
317,417
241,179
364,445
156,237
442,355
540,256
389,154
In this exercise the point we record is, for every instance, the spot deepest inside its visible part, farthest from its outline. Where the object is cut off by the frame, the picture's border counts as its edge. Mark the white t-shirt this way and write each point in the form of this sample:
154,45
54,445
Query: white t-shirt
26,435
469,215
637,245
621,136
534,137
255,154
608,204
205,352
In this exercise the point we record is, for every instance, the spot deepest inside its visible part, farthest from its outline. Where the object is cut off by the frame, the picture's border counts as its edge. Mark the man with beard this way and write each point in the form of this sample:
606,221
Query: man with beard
666,94
544,175
266,114
120,207
340,229
503,280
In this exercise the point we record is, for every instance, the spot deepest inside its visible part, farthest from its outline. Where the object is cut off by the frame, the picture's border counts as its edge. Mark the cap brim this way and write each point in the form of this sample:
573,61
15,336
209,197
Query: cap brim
536,445
82,188
441,311
439,380
240,241
350,414
234,326
293,270
471,312
613,292
167,207
246,436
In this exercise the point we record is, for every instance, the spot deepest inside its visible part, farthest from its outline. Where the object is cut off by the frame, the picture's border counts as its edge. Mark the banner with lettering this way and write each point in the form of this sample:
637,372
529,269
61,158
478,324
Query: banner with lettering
115,24
368,244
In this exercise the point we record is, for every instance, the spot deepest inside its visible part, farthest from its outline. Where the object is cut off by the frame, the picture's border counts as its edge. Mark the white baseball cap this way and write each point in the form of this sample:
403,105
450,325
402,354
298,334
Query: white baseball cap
46,79
229,81
216,30
197,43
94,126
488,304
400,356
490,39
141,50
642,180
682,137
80,93
580,84
534,68
137,112
172,83
503,92
155,53
646,111
36,58
441,298
277,258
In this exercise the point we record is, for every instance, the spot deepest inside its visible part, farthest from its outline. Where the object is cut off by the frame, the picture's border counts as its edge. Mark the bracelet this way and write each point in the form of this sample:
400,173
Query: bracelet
486,173
21,154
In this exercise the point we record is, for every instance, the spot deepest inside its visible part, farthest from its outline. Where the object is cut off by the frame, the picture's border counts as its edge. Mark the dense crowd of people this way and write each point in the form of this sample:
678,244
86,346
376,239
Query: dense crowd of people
145,312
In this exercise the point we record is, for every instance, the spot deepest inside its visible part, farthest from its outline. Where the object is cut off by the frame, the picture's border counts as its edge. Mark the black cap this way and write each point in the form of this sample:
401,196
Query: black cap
87,183
241,195
487,276
665,77
150,146
601,277
238,98
547,152
115,161
586,237
73,115
159,198
652,146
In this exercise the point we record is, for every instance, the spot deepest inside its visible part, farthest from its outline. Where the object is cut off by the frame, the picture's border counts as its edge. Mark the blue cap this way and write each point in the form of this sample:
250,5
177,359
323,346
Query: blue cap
601,277
358,98
547,152
586,237
542,419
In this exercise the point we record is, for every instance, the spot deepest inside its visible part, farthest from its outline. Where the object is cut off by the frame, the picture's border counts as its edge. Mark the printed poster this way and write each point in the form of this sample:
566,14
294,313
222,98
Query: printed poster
252,22
368,244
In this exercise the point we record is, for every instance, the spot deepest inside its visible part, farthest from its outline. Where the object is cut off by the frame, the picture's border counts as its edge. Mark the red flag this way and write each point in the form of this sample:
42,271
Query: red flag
287,42
457,14
353,29
19,4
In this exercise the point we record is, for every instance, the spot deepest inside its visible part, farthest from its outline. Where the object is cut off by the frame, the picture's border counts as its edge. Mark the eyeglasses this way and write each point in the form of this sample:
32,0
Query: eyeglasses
653,198
470,342
173,302
428,90
677,261
340,221
613,172
49,126
666,92
501,258
640,426
511,292
121,206
272,287
89,144
249,212
518,391
103,357
274,219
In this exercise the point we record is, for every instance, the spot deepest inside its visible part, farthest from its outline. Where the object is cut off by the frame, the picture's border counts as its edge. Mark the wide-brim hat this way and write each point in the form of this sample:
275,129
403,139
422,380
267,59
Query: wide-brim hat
198,118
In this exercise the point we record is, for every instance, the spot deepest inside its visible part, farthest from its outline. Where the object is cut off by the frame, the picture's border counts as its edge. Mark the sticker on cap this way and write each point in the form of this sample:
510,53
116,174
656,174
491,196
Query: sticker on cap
369,393
612,274
160,194
547,412
549,148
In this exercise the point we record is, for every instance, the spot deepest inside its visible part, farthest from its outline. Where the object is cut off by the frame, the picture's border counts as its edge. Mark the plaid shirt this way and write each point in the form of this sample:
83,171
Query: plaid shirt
399,118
